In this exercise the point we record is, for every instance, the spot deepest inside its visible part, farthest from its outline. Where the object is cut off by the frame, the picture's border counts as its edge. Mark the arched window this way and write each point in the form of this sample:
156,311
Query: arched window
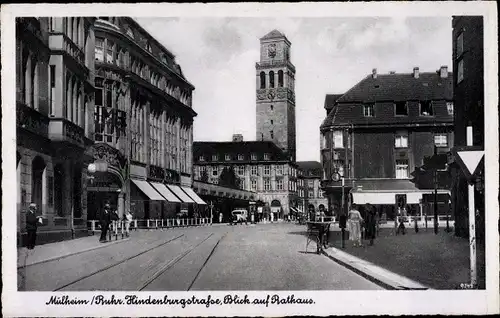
280,78
58,190
271,79
262,80
37,181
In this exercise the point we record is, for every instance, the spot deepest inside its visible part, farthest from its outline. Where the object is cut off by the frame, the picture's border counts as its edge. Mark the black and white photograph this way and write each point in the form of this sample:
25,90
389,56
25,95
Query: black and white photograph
250,159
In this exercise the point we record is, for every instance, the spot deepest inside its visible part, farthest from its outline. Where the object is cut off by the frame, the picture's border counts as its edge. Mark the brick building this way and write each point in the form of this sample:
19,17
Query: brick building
377,133
54,117
310,176
468,96
143,125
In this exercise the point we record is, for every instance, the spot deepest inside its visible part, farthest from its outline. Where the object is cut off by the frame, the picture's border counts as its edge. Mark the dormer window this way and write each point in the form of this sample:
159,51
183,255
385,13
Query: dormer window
254,156
201,158
401,108
241,157
368,110
215,157
267,156
227,157
426,108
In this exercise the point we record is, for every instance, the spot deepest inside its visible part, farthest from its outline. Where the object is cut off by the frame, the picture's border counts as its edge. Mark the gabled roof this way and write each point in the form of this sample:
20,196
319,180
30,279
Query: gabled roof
235,148
273,35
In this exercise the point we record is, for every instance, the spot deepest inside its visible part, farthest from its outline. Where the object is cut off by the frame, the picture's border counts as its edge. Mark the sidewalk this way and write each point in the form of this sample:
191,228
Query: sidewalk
420,260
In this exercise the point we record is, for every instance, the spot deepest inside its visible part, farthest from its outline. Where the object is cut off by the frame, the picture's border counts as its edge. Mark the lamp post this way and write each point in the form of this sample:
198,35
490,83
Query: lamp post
211,211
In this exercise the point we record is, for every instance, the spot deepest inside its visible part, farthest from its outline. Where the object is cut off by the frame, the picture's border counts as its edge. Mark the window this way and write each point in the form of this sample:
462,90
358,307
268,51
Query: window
339,166
262,80
401,169
201,158
271,133
271,79
279,184
323,141
310,193
254,170
241,170
279,170
460,44
338,140
227,157
368,110
441,140
266,156
271,107
267,184
401,109
449,107
426,108
109,51
253,185
99,49
215,157
267,170
215,171
460,71
254,156
280,78
401,140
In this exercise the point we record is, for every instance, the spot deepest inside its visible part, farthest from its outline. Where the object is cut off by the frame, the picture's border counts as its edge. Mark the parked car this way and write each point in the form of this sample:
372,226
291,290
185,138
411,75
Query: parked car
239,216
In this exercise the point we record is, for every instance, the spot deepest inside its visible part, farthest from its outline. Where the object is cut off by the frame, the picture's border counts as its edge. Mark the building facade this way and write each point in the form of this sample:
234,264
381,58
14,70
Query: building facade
310,176
54,117
468,96
275,95
379,131
261,166
143,123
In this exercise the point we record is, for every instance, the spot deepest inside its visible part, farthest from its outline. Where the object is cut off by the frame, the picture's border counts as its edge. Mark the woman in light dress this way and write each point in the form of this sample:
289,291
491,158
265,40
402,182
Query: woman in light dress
128,219
355,220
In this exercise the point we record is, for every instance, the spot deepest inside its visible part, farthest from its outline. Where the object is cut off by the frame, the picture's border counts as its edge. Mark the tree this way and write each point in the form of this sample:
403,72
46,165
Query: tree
229,179
204,176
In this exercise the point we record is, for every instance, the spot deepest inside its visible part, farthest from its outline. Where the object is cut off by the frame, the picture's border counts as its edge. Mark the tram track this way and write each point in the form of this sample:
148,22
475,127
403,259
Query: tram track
118,263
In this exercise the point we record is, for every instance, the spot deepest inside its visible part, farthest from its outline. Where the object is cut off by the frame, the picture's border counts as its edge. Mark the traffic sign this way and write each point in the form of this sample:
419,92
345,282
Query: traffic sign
469,161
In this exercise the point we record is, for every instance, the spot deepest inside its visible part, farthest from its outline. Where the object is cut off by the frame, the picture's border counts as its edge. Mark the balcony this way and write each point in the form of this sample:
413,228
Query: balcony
31,120
63,130
60,42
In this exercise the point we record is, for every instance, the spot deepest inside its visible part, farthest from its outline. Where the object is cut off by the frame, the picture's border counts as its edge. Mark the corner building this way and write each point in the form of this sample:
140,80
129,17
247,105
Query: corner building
143,124
54,120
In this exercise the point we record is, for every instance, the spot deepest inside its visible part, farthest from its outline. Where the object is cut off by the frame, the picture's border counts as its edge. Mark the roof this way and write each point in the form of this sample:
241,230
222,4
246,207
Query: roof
235,148
310,168
274,34
386,89
330,100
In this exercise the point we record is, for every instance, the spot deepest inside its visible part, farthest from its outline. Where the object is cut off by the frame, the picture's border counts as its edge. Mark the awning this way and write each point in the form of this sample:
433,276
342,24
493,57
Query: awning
148,190
180,194
160,187
193,195
389,197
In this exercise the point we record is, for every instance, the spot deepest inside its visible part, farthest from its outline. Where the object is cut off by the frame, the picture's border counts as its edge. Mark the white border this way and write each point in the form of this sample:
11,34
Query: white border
326,302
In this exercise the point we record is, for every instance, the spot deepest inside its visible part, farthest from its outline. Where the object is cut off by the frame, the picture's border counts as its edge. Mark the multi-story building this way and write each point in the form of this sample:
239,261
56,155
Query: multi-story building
377,133
54,116
143,124
468,96
261,167
310,176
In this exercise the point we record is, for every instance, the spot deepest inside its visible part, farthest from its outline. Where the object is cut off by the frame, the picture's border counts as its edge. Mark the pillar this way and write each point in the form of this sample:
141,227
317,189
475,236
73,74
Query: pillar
121,203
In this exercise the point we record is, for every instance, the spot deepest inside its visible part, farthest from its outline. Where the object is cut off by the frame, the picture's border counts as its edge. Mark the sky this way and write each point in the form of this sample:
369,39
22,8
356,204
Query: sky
218,57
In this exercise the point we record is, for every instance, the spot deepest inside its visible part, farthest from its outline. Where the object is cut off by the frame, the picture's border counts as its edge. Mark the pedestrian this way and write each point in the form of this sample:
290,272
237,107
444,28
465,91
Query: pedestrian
32,221
355,221
401,227
370,223
105,220
128,219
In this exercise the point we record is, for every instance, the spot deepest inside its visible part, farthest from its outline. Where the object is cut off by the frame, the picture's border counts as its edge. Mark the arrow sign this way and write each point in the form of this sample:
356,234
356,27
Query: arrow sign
469,160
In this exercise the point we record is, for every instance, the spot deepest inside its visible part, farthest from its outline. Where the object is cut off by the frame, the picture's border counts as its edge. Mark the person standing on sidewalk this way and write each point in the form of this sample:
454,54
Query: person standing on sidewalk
355,220
128,219
371,226
32,221
105,220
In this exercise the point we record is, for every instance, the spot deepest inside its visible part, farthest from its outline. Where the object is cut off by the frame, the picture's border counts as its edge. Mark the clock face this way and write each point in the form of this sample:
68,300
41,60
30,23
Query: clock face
271,50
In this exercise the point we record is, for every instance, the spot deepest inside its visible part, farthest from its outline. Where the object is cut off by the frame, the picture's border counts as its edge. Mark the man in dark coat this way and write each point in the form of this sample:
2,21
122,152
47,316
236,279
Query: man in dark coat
370,222
105,220
31,225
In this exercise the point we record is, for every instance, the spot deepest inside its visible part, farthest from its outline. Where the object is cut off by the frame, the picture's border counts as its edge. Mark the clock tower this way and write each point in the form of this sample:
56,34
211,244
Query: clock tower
275,93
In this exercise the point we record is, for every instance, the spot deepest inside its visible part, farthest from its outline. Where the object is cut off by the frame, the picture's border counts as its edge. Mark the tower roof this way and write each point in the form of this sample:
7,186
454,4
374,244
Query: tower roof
273,35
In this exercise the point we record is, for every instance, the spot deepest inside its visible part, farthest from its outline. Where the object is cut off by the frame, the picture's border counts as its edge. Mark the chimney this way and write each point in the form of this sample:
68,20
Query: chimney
443,72
416,73
237,138
374,73
392,72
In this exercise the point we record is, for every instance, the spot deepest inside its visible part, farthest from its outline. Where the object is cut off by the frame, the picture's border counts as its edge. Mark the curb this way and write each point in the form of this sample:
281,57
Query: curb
386,283
74,253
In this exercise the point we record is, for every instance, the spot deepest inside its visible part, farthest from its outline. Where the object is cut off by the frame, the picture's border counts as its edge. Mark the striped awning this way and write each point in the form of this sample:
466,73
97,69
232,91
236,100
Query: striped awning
148,190
180,194
166,193
193,195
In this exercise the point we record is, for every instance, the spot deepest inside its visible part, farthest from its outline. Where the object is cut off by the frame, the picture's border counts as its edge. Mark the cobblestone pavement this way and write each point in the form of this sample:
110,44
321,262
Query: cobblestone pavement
242,257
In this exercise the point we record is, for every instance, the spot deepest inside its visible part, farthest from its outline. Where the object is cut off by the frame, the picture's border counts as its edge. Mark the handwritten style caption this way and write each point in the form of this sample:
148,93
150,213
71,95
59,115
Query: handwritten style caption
100,300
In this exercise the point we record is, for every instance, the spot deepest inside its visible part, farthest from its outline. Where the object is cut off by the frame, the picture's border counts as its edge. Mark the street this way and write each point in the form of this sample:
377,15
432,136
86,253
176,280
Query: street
222,257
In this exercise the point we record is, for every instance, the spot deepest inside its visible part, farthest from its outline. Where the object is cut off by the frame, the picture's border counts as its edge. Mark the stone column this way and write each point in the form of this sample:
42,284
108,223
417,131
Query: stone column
121,202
